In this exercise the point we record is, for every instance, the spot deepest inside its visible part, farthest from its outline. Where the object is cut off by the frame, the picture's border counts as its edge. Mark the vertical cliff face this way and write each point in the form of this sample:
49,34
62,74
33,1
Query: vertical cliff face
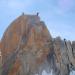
64,56
73,48
0,60
0,55
27,48
25,45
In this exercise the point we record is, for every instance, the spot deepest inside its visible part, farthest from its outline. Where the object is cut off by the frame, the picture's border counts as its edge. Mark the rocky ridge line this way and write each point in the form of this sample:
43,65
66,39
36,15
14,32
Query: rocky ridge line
28,48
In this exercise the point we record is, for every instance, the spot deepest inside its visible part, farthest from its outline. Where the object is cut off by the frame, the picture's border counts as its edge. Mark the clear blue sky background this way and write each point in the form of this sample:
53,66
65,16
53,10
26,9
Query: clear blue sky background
59,15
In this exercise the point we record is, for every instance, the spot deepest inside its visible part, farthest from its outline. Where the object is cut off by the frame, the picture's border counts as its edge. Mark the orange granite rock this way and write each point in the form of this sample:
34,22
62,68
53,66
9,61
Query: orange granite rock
27,48
15,68
28,39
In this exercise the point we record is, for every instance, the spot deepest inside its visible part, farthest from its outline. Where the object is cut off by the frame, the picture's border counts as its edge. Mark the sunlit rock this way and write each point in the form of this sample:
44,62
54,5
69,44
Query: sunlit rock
27,48
25,45
0,60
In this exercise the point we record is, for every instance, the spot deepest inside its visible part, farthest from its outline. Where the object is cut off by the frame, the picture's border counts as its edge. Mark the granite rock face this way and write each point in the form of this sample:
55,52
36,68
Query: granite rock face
0,55
0,60
64,56
25,45
27,48
61,56
73,48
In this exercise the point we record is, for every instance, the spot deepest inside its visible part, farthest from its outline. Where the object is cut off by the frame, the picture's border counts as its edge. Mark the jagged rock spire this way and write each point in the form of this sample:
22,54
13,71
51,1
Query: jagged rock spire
27,40
28,48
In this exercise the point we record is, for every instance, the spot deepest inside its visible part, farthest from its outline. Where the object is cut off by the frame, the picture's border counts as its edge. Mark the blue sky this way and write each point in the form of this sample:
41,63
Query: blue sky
59,15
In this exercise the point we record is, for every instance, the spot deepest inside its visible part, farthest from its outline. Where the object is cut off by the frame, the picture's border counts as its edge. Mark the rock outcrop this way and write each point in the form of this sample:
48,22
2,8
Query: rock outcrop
27,49
25,44
64,56
0,60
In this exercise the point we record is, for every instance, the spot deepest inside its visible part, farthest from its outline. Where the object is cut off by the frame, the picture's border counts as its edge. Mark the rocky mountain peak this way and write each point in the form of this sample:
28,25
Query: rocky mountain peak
28,48
26,41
